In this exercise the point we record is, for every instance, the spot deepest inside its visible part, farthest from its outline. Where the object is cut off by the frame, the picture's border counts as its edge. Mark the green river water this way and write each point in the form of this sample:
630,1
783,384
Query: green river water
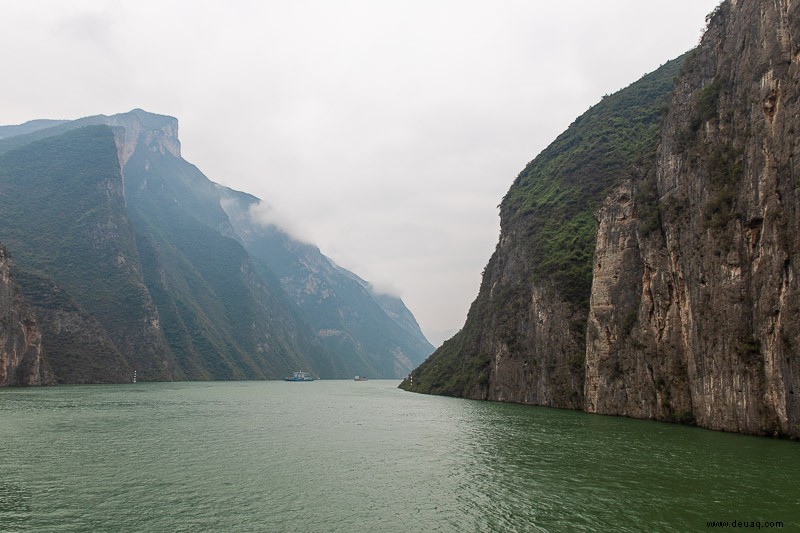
365,456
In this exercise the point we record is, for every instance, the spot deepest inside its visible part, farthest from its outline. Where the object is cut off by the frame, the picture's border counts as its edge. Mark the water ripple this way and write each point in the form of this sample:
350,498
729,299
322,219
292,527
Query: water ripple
363,456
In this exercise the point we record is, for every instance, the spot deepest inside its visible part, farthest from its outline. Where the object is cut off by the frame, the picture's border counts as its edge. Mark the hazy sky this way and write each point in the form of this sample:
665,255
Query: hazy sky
385,132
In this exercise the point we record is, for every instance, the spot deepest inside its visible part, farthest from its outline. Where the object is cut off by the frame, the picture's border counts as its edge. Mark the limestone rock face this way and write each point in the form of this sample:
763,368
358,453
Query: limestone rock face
635,363
158,132
21,360
536,344
699,319
736,250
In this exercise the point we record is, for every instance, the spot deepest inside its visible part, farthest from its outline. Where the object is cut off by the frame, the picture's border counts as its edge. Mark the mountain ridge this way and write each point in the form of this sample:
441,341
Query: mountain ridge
216,312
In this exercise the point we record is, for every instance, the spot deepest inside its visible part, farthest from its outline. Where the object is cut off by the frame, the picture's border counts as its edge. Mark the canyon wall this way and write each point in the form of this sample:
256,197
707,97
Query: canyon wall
697,318
684,307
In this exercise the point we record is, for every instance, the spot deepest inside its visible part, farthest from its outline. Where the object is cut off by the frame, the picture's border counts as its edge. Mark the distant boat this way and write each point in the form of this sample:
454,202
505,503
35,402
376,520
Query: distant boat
299,376
360,378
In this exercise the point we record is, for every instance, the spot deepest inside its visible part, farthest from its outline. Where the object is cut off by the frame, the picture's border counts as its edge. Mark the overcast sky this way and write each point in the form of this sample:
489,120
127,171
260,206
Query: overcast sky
385,132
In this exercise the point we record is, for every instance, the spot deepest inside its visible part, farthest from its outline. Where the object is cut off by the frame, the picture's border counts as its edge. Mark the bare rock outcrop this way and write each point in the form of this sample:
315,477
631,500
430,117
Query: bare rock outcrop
21,358
716,281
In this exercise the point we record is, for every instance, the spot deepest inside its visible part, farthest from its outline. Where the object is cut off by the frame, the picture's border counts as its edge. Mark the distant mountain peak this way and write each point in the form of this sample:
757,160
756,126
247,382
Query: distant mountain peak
158,132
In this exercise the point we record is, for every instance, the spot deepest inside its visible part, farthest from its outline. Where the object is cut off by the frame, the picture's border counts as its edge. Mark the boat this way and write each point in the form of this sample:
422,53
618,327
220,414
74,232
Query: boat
299,376
360,378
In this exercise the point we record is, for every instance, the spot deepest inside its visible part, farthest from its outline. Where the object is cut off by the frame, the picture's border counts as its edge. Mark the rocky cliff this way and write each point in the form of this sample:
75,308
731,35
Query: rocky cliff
693,309
698,318
21,360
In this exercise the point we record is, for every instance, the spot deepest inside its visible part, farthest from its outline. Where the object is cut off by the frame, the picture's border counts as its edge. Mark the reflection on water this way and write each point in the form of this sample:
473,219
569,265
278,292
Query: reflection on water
364,456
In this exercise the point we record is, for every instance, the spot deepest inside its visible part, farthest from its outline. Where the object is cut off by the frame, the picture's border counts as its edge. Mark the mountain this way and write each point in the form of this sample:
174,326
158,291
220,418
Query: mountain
126,256
647,263
368,333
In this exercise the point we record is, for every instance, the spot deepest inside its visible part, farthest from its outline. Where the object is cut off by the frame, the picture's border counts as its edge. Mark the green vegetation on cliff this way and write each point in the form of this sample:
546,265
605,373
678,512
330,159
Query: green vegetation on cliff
555,197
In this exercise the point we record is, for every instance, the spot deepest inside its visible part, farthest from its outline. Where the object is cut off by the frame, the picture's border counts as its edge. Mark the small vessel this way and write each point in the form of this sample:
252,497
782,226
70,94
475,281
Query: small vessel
299,376
360,378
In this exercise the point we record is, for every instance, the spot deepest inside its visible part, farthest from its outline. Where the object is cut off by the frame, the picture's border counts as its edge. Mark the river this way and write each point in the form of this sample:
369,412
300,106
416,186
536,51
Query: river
365,456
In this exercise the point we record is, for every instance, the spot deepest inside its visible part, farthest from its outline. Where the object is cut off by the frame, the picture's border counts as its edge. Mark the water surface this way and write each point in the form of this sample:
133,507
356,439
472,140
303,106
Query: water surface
365,456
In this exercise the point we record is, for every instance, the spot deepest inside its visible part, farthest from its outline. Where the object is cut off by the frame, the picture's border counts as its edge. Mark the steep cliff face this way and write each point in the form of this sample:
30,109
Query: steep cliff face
127,266
77,347
693,310
156,132
635,365
223,316
21,359
714,336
